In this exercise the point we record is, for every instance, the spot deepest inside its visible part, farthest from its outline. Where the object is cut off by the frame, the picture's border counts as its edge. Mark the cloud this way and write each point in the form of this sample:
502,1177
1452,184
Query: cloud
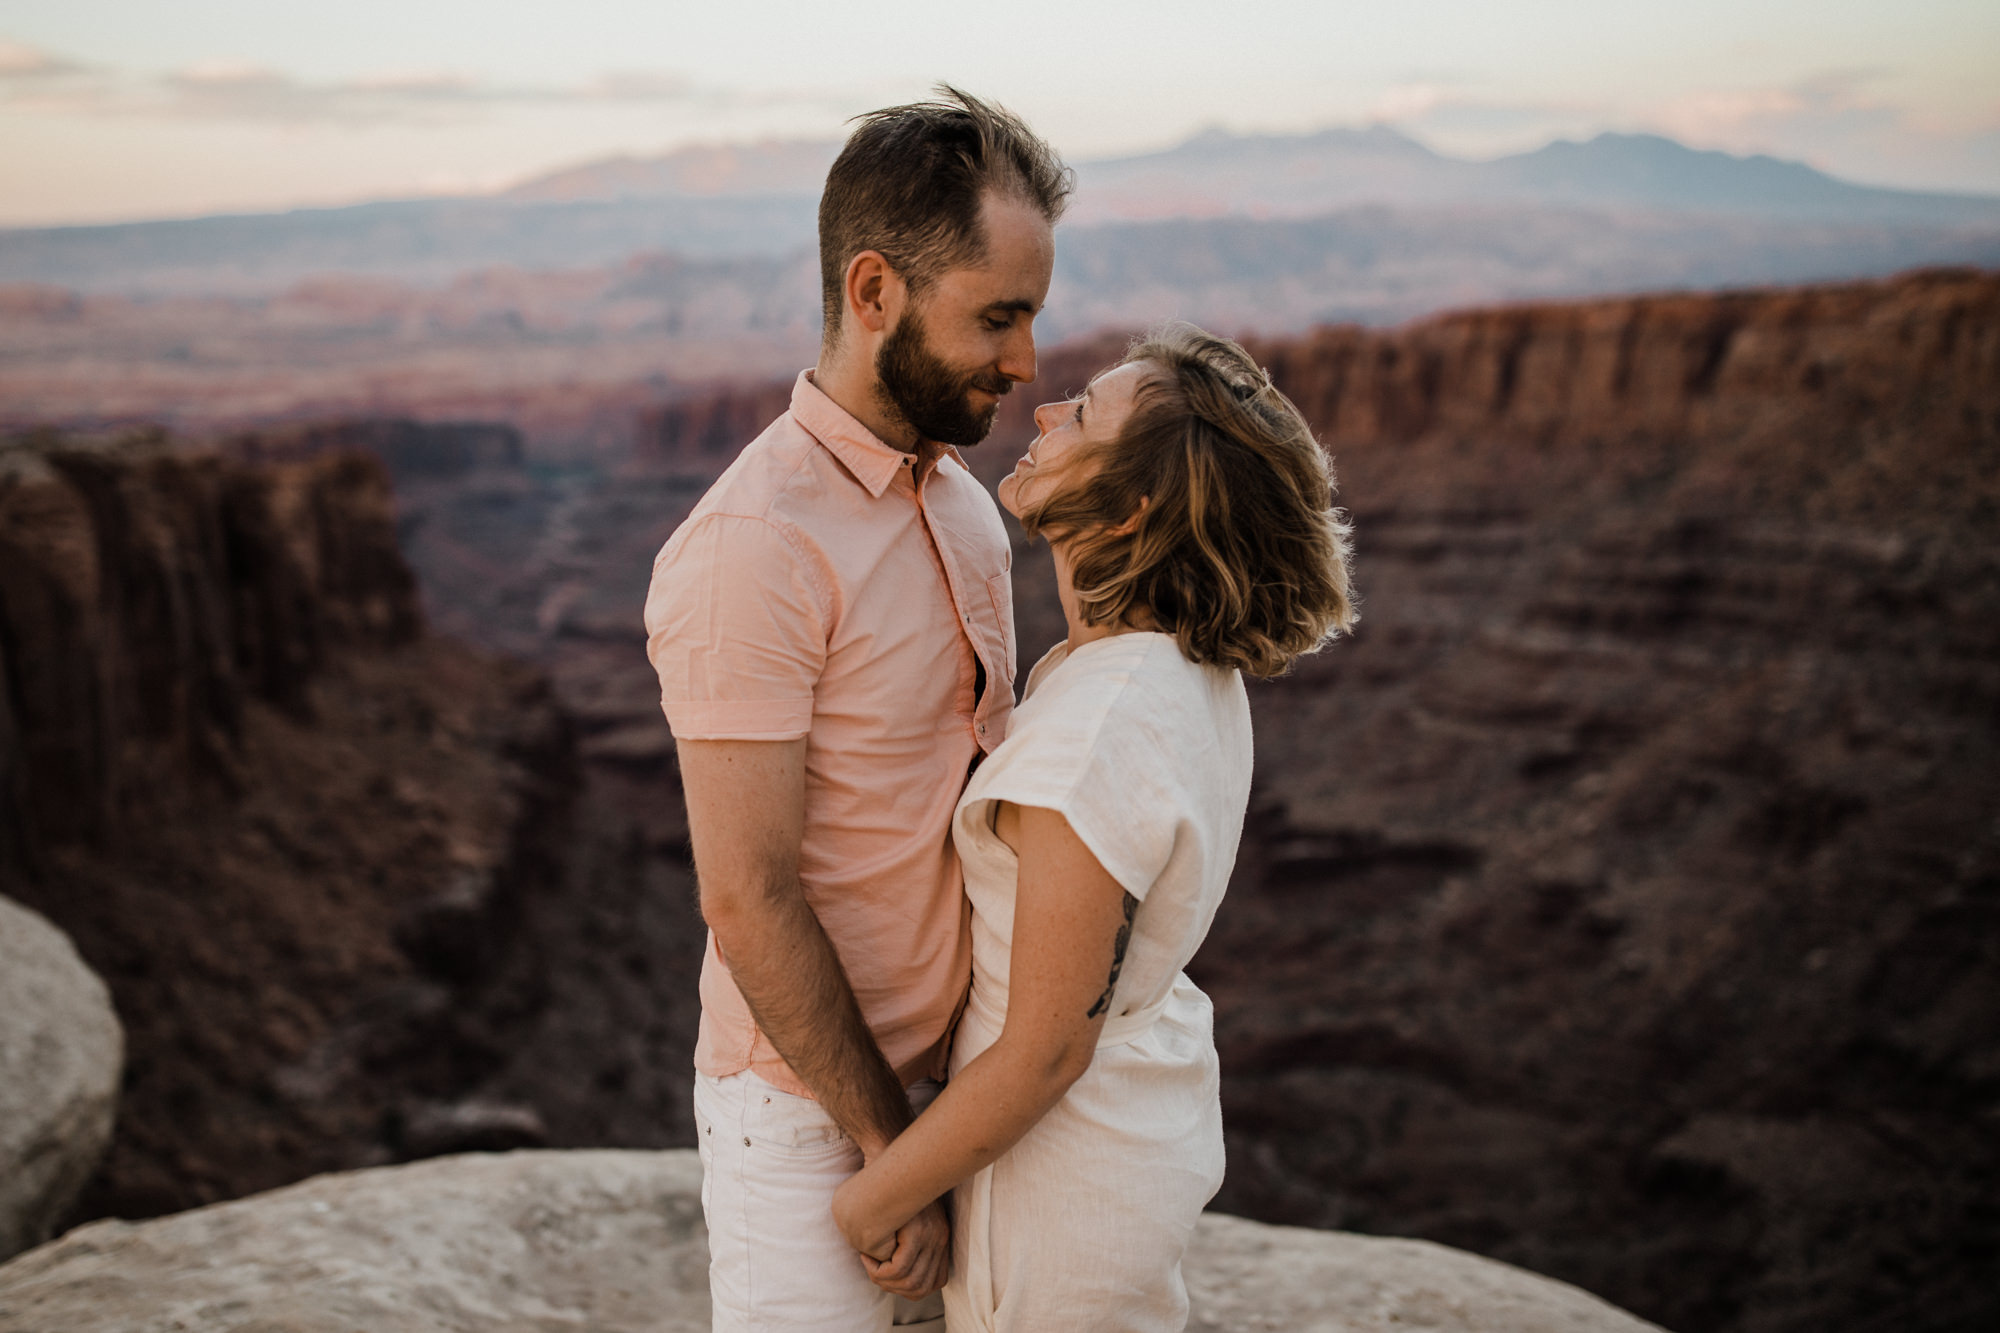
19,61
1472,124
1754,117
258,94
1854,121
225,90
1843,121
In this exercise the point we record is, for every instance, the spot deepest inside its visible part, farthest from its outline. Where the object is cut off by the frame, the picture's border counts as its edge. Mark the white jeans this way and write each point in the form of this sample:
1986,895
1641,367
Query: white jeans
770,1164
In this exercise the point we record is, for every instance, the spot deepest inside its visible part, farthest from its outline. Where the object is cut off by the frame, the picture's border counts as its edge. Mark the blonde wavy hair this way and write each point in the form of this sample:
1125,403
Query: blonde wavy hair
1211,512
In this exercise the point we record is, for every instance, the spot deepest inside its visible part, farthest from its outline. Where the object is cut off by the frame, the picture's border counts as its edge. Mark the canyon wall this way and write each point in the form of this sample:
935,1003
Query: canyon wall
706,429
146,599
292,831
1623,899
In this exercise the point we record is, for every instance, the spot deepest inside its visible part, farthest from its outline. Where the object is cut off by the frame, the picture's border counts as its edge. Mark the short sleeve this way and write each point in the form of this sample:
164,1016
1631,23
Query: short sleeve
1102,763
736,627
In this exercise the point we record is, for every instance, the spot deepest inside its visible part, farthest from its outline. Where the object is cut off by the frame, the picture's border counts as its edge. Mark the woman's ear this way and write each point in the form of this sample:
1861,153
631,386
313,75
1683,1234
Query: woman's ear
1131,525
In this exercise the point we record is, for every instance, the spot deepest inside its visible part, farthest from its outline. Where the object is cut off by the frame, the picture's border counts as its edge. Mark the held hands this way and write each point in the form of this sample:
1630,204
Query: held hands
910,1261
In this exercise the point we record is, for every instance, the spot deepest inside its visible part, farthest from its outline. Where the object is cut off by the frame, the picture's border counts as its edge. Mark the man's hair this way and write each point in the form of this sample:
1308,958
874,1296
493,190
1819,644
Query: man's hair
910,183
1236,549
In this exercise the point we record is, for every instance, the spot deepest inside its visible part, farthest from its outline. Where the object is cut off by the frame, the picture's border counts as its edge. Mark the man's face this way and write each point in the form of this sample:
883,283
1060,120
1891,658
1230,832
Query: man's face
970,339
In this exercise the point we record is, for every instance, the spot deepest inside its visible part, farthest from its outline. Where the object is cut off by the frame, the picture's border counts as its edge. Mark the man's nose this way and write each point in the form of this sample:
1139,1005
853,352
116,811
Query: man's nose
1017,358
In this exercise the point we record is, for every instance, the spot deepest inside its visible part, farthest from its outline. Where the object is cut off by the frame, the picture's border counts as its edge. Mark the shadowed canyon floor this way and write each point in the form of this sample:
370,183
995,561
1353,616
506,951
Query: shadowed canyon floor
1622,901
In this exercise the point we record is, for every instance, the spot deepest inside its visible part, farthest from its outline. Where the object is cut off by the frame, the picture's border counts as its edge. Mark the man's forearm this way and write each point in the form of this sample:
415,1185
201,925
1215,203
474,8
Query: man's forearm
791,978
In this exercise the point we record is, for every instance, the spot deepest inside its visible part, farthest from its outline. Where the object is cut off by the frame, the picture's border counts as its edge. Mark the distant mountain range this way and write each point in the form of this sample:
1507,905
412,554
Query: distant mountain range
1215,174
757,202
1300,175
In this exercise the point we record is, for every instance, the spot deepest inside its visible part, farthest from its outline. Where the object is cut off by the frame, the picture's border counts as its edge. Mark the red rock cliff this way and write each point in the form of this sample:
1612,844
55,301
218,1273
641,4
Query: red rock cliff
290,830
1660,366
1622,895
147,596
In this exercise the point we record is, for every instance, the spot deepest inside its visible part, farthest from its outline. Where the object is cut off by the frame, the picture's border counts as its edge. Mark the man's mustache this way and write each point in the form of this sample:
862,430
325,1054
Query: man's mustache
996,386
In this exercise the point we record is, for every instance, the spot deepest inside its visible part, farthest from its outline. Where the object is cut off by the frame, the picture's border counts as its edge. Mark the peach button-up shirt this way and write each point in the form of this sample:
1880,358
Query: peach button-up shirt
833,588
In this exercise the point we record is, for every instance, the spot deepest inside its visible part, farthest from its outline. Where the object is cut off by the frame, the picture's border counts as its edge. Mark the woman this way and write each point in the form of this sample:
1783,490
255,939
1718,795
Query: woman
1188,509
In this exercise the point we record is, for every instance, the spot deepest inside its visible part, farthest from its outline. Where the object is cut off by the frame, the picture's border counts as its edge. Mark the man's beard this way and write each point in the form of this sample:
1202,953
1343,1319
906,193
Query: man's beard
929,394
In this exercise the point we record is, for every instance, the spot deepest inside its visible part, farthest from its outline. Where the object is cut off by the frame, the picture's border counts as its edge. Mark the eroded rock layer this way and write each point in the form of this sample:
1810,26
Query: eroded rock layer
290,830
1624,899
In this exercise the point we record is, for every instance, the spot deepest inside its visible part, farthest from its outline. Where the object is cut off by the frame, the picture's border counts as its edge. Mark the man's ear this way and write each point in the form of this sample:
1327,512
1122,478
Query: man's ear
875,292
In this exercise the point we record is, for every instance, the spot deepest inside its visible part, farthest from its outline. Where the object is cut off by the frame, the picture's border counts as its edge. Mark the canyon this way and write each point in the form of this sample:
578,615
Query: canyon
1618,901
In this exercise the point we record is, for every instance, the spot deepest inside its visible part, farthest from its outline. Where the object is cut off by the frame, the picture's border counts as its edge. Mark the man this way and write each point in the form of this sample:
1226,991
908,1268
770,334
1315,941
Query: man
833,632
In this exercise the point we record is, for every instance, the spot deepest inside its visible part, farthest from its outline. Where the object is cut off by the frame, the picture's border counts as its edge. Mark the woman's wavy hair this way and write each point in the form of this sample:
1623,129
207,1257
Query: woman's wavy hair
1212,511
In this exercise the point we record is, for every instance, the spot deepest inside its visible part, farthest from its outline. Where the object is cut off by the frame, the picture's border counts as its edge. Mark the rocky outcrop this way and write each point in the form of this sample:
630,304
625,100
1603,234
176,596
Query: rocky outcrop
61,1052
614,1241
295,835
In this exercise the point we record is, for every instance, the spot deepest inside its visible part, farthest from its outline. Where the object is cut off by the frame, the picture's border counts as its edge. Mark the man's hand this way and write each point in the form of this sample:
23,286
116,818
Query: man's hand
921,1263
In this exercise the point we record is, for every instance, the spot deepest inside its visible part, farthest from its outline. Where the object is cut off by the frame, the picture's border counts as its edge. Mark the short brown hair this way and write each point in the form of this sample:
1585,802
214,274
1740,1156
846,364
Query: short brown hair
1236,549
910,183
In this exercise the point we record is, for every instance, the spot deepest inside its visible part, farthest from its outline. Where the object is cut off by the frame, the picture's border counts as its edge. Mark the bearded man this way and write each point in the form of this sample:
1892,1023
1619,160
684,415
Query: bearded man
833,632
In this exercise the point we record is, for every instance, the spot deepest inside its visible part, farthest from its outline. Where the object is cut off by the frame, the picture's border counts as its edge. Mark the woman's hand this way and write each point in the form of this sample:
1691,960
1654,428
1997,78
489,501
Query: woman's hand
910,1258
874,1237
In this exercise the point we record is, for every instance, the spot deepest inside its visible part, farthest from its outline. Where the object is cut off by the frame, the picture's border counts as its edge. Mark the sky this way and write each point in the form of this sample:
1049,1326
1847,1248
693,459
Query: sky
125,109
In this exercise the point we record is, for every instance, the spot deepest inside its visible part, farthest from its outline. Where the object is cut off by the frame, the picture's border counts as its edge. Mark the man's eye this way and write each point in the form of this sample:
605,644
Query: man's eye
995,325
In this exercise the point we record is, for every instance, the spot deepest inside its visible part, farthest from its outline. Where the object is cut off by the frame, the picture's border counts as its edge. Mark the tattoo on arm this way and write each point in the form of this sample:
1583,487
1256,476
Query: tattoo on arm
1117,958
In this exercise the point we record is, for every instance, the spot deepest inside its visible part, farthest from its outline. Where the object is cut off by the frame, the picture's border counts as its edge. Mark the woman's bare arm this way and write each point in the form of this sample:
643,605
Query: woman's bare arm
1072,922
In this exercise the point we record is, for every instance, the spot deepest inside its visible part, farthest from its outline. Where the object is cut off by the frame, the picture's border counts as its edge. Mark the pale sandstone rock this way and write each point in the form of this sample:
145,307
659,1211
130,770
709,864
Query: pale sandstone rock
612,1242
61,1054
1246,1277
542,1241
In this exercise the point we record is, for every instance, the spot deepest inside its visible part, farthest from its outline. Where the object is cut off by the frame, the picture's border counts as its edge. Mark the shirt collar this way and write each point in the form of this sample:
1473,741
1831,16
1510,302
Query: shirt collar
871,462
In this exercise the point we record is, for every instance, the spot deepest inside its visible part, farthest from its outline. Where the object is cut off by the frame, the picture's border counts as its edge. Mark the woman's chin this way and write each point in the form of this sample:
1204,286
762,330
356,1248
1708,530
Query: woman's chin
1009,486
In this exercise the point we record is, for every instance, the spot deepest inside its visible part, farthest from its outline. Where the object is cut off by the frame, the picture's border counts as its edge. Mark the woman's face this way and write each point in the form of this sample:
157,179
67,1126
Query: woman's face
1069,429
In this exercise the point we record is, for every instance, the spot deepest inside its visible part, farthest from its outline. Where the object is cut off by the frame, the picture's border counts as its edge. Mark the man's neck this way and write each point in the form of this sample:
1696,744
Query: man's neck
849,379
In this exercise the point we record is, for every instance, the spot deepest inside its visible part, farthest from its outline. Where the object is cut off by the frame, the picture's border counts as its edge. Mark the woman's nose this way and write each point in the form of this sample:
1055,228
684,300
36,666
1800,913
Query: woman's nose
1045,416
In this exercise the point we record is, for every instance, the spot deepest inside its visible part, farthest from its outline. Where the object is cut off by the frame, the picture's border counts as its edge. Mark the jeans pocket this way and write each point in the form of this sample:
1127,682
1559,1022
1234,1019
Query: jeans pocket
796,1126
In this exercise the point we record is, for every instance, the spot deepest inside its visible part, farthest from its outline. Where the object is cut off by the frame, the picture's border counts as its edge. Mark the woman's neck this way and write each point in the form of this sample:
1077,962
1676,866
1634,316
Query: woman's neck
1081,633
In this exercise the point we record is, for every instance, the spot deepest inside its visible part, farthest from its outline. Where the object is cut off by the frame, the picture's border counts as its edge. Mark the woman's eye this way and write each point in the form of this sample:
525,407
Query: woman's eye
1077,416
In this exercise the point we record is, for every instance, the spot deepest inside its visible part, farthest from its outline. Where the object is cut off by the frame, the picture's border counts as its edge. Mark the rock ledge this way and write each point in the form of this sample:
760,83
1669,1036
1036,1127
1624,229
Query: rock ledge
612,1241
